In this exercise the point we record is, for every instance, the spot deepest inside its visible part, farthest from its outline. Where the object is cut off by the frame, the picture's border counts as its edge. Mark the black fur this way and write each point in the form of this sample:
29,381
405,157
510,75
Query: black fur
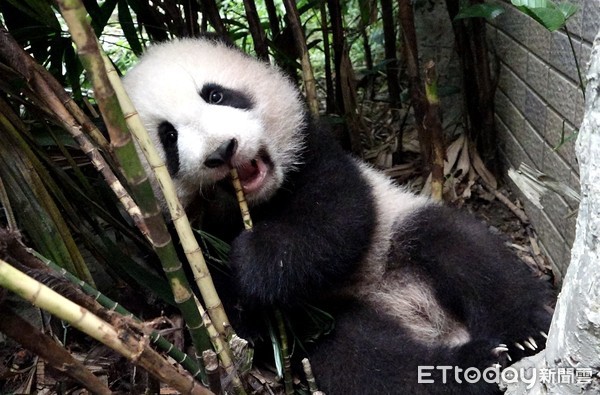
221,96
475,277
307,241
168,138
306,238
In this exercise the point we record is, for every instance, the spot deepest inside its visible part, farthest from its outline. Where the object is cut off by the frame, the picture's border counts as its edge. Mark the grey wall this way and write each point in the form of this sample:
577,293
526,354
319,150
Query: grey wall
537,98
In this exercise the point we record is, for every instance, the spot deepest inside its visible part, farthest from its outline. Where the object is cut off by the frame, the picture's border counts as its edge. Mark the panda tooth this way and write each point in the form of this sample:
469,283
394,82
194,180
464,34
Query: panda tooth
519,346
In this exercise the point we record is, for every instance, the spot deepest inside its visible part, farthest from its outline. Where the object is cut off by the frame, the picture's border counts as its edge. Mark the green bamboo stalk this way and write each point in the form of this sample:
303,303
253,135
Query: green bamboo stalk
432,122
215,319
163,344
239,193
188,363
285,356
156,231
123,341
180,220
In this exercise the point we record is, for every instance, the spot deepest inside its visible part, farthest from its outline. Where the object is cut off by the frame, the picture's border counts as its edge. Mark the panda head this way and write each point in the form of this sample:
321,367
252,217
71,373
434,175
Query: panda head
208,107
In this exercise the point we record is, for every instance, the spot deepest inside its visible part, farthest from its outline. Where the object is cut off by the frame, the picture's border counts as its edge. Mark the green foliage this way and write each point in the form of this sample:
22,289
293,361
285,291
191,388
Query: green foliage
551,16
480,10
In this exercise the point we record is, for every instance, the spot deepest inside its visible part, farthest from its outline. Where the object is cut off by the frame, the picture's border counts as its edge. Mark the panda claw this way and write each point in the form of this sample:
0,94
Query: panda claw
508,357
533,343
529,345
500,349
544,334
519,346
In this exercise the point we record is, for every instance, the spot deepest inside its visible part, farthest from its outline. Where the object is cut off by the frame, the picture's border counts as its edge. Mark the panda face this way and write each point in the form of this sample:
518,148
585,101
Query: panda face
209,107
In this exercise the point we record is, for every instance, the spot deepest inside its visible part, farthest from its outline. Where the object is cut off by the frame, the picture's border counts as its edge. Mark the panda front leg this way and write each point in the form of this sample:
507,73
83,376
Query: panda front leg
307,239
283,262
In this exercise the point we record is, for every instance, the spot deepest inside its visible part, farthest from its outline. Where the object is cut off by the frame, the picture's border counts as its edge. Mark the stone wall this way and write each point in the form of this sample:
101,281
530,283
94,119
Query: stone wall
538,102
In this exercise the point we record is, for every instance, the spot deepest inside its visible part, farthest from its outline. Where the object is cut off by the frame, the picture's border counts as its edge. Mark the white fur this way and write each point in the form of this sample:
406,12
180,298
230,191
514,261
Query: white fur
165,85
399,294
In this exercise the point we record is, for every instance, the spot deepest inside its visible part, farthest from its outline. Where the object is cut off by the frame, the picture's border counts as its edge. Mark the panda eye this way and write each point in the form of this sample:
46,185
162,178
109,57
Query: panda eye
216,94
171,136
215,97
167,134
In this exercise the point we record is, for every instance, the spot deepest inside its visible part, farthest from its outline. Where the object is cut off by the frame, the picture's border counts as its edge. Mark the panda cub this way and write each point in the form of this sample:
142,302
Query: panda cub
414,287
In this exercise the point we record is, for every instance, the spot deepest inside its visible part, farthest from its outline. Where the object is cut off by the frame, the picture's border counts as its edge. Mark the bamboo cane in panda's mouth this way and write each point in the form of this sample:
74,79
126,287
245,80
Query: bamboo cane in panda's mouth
239,193
286,369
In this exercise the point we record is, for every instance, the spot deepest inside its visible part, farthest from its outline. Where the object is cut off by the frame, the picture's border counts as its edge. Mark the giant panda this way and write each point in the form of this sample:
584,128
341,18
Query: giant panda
415,288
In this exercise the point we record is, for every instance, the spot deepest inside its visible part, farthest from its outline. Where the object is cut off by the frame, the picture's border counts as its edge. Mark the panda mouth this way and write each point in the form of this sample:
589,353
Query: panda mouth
253,174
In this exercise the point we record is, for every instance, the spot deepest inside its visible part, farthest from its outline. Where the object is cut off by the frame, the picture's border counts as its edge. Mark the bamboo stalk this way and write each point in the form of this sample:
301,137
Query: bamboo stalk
124,341
310,378
214,318
100,305
433,125
41,344
156,338
180,220
310,84
287,366
88,49
285,355
239,193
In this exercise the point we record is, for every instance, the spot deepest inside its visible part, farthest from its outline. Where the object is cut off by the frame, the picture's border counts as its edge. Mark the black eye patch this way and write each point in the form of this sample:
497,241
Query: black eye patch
221,96
168,138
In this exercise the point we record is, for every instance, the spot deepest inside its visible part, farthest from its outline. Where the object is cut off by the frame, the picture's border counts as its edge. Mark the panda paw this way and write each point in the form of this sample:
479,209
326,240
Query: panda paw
261,271
530,345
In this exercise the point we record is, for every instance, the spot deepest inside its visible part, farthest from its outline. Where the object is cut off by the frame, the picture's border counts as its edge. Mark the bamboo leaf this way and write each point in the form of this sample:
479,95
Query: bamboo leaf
126,22
551,18
567,9
531,3
40,10
545,12
483,10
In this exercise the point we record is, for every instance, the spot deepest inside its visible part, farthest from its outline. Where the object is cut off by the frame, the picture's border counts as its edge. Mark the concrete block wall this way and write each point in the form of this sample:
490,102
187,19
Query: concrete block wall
537,102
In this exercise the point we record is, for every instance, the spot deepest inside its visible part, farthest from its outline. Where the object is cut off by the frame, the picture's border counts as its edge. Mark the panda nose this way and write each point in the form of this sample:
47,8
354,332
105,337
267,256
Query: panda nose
221,155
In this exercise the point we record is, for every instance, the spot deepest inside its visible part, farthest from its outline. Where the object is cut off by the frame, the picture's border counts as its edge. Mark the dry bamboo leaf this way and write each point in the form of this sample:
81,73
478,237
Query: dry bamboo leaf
452,152
481,170
534,184
464,163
